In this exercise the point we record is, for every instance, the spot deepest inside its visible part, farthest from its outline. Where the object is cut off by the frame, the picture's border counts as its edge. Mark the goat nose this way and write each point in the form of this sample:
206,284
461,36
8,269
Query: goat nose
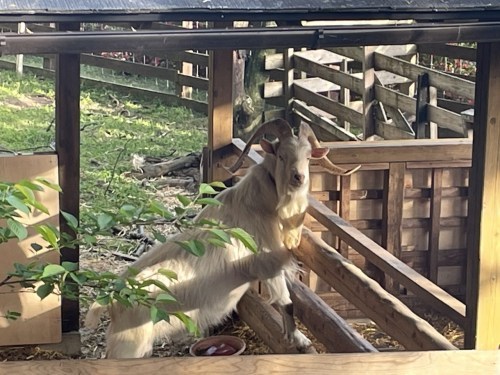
299,177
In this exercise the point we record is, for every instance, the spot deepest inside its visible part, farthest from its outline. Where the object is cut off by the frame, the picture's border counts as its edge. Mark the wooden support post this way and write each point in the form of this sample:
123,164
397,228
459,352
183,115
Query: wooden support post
220,108
68,150
435,217
288,75
422,101
345,94
369,128
21,29
483,260
345,208
186,69
392,213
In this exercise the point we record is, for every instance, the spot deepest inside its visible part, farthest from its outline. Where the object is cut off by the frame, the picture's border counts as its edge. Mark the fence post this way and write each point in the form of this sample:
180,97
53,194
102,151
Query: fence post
21,29
368,91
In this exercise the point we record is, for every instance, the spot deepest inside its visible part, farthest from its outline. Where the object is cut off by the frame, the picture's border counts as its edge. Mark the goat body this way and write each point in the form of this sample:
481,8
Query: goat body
269,203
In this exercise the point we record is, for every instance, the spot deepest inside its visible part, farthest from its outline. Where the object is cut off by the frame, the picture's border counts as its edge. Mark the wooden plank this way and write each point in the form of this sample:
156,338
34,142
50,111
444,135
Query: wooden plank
392,214
389,131
422,115
386,310
67,126
328,125
288,83
393,267
448,50
220,108
325,324
445,119
273,89
463,362
389,78
435,227
265,321
345,206
368,94
317,84
355,53
40,320
339,110
302,63
321,56
437,79
483,270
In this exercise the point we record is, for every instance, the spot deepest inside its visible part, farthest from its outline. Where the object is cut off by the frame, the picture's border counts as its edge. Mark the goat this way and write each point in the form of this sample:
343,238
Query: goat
270,204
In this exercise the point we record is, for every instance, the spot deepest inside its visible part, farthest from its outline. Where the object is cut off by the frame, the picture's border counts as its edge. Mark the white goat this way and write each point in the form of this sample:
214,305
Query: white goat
270,204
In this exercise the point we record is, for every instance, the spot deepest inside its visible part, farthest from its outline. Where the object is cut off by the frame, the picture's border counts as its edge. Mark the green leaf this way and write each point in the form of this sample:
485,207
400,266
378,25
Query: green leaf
40,207
158,315
79,279
27,192
44,290
12,315
90,240
17,228
53,270
185,201
70,266
164,297
49,184
209,201
194,247
159,237
103,299
49,234
133,271
188,322
244,237
220,234
70,219
207,189
17,203
160,209
171,275
30,185
104,221
128,209
216,242
218,184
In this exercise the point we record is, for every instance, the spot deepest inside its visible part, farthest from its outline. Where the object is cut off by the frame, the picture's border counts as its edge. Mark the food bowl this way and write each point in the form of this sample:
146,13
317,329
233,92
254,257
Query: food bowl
223,345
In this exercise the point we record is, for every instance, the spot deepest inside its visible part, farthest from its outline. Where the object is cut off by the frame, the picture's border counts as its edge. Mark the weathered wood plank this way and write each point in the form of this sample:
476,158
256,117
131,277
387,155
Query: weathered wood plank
384,309
392,213
322,102
389,131
483,281
464,362
368,94
393,267
302,63
437,79
345,208
328,125
448,50
325,324
435,216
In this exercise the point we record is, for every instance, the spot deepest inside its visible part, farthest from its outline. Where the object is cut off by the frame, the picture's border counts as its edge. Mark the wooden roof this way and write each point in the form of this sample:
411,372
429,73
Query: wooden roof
263,9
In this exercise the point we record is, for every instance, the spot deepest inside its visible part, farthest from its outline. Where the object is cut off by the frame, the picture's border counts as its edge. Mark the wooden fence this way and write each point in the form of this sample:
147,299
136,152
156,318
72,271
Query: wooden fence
183,74
379,91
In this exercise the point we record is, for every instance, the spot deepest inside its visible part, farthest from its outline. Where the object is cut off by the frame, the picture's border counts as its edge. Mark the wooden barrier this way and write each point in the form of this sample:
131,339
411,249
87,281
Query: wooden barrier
464,362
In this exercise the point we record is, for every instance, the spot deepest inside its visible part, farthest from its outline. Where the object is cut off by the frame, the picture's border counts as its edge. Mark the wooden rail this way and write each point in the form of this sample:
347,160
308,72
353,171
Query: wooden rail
464,362
384,309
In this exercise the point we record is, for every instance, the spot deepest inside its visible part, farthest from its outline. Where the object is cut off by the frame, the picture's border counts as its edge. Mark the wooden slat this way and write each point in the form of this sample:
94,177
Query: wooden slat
392,213
448,50
265,321
386,310
328,125
368,94
437,79
413,281
322,102
302,63
389,131
445,119
483,268
462,362
355,53
345,206
325,324
435,216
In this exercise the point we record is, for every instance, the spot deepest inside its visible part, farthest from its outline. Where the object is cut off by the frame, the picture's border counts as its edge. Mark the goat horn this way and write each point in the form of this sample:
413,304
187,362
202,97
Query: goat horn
306,131
277,127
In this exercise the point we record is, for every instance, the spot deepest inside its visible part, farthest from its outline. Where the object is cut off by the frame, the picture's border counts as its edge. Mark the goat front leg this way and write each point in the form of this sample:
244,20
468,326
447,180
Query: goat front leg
280,297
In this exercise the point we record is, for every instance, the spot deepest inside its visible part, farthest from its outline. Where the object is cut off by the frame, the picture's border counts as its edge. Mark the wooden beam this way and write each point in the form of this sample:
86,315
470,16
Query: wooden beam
368,91
435,222
483,274
220,109
409,363
393,267
384,309
437,79
448,50
325,324
265,321
67,125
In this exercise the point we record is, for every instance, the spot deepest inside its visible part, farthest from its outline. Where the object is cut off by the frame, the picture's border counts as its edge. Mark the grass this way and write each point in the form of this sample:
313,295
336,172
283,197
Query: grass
113,128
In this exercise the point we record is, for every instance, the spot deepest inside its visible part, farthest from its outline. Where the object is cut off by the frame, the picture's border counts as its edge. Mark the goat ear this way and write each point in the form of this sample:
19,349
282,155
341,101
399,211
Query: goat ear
267,146
319,152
